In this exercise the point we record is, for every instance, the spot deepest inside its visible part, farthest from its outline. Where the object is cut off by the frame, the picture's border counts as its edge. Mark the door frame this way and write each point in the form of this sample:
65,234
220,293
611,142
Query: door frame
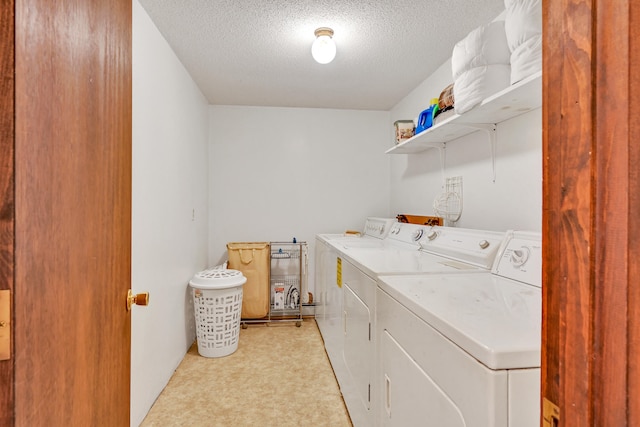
591,305
592,324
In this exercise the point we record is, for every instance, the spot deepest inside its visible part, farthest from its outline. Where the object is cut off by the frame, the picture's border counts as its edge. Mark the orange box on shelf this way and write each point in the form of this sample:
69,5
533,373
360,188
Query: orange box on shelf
419,219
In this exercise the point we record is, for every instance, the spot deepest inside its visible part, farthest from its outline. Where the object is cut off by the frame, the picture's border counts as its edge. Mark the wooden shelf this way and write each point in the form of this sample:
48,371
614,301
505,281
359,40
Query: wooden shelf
517,99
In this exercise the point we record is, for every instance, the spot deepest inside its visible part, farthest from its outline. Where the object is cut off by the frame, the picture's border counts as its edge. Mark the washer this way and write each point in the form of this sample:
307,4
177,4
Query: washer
463,350
374,228
407,249
328,301
330,249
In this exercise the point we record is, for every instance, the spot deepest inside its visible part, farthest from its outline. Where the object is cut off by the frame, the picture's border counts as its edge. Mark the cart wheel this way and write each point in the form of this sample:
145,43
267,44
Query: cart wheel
244,325
298,323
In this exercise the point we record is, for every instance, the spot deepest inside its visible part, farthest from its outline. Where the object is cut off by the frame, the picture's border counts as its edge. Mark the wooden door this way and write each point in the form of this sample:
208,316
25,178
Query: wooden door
591,205
71,214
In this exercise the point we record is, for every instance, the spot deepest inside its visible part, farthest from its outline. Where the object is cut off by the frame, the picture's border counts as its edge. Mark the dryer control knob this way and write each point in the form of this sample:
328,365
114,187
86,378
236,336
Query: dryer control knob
484,244
417,234
432,235
519,256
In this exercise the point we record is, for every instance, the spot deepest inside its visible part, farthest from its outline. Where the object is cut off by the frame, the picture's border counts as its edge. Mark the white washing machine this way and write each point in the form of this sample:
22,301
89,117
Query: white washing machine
374,228
408,249
463,350
329,254
328,297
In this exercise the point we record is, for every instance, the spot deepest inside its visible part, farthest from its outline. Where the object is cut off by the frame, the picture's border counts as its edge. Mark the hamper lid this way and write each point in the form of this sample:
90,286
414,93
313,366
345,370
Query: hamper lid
217,278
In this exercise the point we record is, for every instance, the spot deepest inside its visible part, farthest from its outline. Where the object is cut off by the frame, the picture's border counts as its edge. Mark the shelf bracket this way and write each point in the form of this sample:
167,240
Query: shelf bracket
443,157
491,130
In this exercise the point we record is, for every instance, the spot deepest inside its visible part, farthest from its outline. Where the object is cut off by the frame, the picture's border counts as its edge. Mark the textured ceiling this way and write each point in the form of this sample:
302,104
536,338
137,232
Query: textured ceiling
252,52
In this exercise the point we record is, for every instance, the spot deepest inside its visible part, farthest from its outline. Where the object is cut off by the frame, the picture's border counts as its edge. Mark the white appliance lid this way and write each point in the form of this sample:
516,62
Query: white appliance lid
400,261
464,249
374,229
495,320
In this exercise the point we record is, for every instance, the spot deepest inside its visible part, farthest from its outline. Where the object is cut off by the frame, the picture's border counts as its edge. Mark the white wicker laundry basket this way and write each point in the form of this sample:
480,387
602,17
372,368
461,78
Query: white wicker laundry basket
217,303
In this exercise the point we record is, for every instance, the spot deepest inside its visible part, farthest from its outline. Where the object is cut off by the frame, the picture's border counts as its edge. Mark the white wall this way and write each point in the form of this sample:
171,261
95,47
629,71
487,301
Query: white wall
169,240
279,173
513,201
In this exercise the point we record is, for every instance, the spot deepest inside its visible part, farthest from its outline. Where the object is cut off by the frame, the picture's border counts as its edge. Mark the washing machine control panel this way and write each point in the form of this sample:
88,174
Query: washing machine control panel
395,229
476,247
374,229
407,233
378,227
521,258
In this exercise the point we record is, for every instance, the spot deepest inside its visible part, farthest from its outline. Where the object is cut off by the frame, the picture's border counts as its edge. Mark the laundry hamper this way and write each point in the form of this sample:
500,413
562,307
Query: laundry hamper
217,304
252,259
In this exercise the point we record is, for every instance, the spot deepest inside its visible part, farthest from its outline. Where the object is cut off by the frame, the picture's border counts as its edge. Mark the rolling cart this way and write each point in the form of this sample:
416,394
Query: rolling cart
287,279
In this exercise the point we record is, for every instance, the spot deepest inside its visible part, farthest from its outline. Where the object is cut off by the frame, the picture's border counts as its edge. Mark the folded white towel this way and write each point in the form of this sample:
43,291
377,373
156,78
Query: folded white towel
523,28
486,45
526,59
477,84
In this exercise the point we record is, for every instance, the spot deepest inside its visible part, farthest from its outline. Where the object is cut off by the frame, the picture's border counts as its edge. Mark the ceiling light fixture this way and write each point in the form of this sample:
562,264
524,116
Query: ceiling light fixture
323,49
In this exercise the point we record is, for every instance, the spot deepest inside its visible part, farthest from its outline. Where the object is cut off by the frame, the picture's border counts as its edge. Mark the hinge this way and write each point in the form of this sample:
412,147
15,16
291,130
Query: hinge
550,414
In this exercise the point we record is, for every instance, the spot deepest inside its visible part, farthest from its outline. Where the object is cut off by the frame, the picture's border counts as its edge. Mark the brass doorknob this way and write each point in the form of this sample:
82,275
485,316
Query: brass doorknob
137,299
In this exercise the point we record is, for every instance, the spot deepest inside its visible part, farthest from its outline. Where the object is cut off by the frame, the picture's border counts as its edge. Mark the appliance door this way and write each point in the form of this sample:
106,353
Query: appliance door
322,254
455,385
409,395
359,292
357,343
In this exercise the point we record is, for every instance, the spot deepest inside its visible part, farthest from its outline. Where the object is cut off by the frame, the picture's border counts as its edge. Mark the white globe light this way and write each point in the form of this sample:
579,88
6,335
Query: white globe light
323,49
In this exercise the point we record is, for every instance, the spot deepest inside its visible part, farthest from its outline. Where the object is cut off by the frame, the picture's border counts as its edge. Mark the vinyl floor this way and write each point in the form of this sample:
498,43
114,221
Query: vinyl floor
279,376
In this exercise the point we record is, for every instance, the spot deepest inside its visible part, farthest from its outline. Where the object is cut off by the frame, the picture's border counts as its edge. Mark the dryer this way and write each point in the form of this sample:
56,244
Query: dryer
462,350
328,300
375,229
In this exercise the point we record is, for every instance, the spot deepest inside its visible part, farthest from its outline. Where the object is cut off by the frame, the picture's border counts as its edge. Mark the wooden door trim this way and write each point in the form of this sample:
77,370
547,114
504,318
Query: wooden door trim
7,214
567,210
633,332
611,146
590,306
